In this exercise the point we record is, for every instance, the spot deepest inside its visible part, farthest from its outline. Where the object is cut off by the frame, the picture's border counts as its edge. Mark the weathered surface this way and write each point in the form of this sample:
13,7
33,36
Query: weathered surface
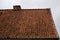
27,23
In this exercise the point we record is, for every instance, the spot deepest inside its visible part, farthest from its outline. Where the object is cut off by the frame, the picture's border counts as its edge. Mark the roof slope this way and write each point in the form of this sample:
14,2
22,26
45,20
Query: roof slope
27,23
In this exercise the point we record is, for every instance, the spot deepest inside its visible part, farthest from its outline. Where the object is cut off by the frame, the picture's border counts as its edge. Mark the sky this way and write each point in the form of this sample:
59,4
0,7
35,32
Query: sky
36,4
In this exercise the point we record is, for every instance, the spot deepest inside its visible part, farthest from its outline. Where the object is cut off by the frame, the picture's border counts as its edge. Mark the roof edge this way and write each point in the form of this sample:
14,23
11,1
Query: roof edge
23,9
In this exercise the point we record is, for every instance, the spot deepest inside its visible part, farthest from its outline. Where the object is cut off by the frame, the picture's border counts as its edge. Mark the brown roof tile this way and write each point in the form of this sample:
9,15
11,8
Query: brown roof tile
27,23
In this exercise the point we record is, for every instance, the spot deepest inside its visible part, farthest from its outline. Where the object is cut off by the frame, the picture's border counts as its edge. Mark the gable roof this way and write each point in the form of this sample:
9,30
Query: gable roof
27,23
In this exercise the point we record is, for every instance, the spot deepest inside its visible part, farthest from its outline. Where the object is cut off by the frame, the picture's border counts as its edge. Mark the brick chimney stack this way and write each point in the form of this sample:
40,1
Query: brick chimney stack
17,7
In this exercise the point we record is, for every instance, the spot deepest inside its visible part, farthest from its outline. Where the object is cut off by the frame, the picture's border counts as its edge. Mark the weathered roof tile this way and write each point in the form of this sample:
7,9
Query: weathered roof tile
27,23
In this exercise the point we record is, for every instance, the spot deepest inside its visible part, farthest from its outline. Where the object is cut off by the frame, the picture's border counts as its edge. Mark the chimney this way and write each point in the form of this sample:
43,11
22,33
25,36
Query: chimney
17,7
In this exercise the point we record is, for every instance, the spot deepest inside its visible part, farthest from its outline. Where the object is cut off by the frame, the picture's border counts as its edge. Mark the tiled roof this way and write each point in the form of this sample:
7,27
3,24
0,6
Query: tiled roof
27,23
